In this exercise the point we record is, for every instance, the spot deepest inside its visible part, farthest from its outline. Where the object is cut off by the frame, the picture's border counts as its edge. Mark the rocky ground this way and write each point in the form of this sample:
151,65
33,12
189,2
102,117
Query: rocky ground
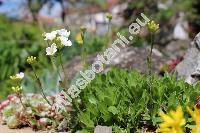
130,58
189,68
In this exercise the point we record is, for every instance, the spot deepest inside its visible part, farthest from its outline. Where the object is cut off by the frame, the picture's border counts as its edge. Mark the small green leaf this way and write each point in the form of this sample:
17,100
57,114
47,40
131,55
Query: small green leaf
190,126
113,110
85,119
92,100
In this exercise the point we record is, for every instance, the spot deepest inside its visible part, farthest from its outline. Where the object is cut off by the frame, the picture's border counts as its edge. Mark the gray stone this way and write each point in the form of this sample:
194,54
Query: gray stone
129,58
103,129
189,68
181,28
63,126
176,48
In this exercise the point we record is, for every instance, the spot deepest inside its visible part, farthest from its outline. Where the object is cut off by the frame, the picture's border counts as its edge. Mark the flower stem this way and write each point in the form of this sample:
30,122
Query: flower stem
108,27
149,63
62,66
107,35
24,107
149,59
54,66
40,85
83,51
20,99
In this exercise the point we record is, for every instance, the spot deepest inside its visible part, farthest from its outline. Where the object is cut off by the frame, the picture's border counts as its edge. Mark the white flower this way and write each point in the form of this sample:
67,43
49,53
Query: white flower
63,33
20,75
65,41
17,77
51,50
50,36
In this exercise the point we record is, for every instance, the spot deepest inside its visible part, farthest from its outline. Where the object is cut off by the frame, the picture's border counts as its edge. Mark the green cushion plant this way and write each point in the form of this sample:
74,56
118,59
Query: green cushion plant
126,101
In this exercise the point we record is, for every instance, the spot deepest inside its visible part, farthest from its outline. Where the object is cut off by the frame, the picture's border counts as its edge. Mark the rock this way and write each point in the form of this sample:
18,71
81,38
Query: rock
189,68
103,129
165,5
129,58
119,8
176,48
94,19
63,126
100,17
181,28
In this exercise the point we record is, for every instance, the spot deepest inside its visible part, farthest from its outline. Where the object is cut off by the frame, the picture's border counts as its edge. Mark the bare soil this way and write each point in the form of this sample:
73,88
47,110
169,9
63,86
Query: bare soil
5,129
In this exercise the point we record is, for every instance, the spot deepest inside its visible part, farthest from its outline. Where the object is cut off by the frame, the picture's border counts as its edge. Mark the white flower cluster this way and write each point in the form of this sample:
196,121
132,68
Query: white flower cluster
61,35
18,76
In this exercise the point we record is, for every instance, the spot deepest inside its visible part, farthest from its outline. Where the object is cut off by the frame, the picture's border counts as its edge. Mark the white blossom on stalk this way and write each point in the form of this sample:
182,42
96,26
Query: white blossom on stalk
51,50
20,75
63,32
17,77
65,41
50,36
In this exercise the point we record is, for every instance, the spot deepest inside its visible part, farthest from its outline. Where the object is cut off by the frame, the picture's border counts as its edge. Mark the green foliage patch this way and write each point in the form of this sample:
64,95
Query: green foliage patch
17,41
128,101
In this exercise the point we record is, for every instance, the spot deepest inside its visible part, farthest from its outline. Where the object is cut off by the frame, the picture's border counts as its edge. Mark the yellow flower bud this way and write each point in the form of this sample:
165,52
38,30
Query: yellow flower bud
109,16
152,26
31,60
83,29
79,38
17,89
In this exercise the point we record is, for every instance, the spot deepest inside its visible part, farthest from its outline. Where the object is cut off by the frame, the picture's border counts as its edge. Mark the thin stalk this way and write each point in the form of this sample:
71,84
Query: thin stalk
108,35
20,99
83,51
24,107
62,66
109,28
52,59
40,85
149,60
149,63
55,67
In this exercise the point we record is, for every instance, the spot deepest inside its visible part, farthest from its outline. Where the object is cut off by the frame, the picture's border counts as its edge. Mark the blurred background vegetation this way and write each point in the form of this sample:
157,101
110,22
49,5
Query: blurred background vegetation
18,40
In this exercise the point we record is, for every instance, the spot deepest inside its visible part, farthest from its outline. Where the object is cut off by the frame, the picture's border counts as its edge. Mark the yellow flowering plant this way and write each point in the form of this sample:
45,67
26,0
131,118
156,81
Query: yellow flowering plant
80,38
83,29
172,122
153,26
196,117
17,78
109,16
17,89
31,60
